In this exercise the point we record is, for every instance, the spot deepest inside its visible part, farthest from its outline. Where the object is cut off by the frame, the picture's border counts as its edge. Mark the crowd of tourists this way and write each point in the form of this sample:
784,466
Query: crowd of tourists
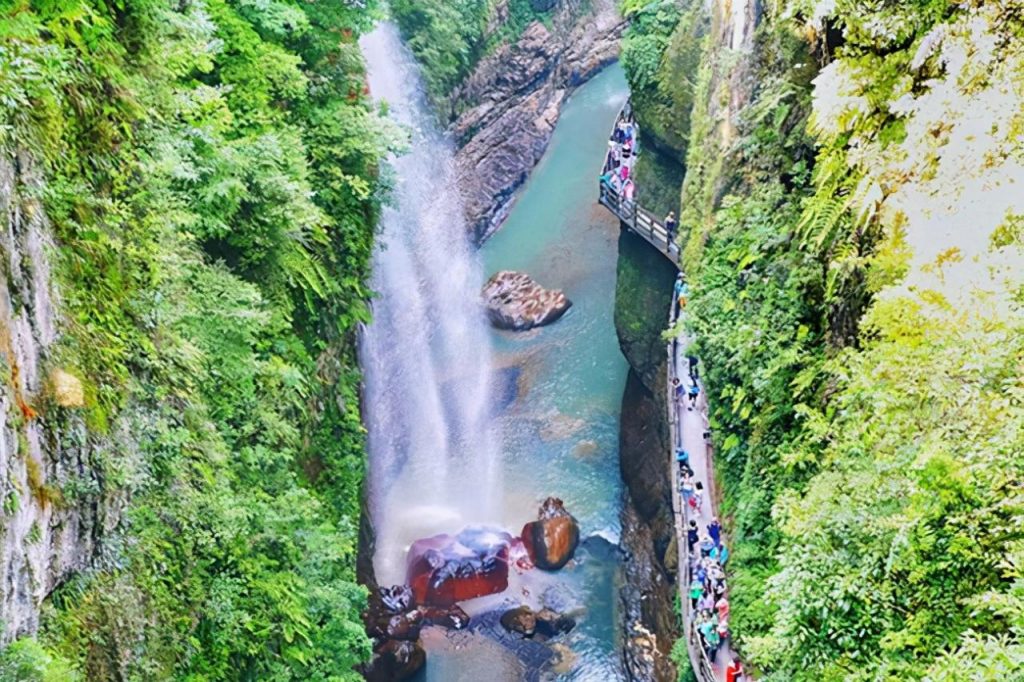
704,576
618,174
623,149
705,573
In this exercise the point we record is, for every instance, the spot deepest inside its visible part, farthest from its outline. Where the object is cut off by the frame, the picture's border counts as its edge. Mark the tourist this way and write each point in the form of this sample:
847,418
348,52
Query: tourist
698,496
706,546
696,591
722,606
678,390
734,673
720,554
683,457
713,641
694,392
691,535
682,292
678,288
715,530
686,490
706,604
629,189
692,359
719,588
627,151
671,225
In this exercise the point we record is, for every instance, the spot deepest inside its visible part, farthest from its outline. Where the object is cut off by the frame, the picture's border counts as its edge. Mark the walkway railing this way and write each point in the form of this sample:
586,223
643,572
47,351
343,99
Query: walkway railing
699,661
634,217
644,224
640,221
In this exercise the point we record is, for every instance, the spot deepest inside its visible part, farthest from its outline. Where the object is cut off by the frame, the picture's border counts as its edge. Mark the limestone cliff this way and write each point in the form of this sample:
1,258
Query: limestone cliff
505,112
54,513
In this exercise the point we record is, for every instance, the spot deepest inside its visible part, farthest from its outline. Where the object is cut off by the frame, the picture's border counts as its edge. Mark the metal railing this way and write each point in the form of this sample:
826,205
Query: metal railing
644,224
698,656
637,219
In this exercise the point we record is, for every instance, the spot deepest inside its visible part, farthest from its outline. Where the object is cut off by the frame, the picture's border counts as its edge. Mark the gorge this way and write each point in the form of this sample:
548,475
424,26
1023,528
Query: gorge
321,360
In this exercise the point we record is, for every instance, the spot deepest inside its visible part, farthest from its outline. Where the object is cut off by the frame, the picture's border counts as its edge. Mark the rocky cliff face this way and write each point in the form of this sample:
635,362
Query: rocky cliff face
645,279
505,112
52,514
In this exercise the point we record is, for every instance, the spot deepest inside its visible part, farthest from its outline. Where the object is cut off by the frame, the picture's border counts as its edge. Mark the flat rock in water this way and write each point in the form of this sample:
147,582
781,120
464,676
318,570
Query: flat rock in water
514,301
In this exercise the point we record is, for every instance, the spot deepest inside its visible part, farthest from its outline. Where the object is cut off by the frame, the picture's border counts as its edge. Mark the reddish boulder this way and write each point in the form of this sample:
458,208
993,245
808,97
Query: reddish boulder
551,540
443,569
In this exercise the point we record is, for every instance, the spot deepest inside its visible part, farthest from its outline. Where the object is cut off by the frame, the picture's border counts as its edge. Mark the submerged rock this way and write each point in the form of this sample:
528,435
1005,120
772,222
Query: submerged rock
520,619
395,660
452,617
551,540
543,624
446,569
514,301
551,623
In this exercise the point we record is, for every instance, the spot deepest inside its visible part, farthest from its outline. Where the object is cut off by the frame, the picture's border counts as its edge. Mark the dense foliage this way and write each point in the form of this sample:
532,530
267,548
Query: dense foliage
211,178
449,38
855,251
660,54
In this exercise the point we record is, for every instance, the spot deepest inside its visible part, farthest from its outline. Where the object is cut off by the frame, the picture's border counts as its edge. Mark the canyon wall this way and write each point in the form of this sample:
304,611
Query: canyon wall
54,511
642,297
505,111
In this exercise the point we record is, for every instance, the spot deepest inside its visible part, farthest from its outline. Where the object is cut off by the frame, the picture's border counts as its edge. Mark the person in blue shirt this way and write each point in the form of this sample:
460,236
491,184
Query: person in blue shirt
715,531
694,392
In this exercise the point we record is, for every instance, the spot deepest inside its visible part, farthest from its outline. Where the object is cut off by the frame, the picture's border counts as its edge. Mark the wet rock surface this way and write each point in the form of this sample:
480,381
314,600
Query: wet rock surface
505,112
543,624
551,540
647,595
395,622
514,301
44,442
521,620
446,569
395,660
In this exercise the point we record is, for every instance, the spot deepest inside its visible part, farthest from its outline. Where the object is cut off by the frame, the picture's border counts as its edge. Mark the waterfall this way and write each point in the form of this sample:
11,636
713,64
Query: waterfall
434,463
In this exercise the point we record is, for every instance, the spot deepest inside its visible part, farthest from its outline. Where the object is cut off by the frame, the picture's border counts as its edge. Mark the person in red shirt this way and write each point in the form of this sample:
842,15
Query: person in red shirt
734,673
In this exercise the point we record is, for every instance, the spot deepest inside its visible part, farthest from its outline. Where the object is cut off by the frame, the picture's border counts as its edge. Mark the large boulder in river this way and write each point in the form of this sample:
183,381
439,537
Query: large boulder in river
515,301
446,569
551,540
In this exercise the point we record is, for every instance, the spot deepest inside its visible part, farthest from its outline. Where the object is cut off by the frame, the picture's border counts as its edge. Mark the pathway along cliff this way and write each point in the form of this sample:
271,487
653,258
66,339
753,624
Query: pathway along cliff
474,426
701,551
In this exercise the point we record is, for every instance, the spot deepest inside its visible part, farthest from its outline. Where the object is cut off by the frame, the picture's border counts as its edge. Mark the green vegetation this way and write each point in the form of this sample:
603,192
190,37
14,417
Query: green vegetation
449,38
211,176
859,317
661,52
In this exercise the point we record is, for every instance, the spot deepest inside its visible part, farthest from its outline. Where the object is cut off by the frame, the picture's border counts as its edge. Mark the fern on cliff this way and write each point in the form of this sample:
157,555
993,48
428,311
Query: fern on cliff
212,182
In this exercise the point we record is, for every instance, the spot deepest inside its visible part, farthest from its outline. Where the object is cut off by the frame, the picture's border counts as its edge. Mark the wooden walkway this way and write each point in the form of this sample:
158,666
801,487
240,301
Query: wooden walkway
641,222
688,430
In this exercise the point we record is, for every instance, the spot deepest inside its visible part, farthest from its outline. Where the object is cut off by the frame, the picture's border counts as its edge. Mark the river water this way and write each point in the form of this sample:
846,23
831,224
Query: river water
472,425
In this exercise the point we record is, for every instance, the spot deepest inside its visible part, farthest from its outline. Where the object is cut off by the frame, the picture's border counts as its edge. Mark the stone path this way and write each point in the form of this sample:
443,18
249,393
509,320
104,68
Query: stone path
688,429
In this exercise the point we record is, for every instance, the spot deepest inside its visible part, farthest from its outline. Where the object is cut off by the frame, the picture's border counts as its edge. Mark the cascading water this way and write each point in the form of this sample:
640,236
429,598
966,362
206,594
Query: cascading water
473,426
427,354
